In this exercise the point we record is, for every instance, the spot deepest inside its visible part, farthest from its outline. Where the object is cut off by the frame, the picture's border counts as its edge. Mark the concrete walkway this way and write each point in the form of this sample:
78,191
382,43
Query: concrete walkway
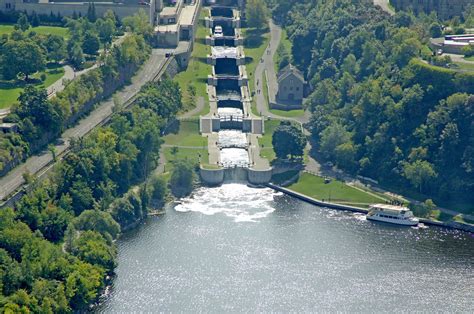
268,66
39,163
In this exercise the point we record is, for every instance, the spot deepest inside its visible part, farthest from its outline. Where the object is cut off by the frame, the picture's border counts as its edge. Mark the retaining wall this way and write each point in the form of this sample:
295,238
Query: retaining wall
212,176
449,224
259,177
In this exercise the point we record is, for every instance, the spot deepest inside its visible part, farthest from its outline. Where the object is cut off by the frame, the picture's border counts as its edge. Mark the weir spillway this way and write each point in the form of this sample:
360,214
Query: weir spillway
231,128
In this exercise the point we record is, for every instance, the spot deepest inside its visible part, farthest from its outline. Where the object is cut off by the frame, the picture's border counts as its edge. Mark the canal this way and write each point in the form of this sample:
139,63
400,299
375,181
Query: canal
235,248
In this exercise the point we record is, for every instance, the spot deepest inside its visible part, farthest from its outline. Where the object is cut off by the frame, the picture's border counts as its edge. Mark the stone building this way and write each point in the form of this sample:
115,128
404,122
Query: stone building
291,84
445,9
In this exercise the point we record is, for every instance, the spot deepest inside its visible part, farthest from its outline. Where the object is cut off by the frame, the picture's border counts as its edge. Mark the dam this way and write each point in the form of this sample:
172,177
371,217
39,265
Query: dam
232,130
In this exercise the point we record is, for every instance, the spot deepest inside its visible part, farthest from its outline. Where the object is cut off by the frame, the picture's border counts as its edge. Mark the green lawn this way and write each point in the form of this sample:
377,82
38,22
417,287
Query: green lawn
42,30
185,153
10,90
188,135
197,71
265,142
335,191
469,58
288,114
255,43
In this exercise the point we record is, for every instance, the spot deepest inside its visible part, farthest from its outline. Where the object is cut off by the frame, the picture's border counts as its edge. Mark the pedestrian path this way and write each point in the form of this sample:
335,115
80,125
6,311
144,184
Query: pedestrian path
267,66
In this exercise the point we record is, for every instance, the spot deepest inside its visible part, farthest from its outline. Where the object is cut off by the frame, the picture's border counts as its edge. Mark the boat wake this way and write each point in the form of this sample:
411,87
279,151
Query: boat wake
238,201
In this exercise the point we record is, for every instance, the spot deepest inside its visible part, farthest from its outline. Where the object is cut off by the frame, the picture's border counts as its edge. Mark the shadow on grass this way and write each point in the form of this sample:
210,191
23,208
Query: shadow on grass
201,59
248,60
201,41
254,37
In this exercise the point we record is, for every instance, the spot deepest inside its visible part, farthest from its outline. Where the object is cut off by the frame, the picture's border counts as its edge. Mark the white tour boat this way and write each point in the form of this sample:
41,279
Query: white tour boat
393,214
218,31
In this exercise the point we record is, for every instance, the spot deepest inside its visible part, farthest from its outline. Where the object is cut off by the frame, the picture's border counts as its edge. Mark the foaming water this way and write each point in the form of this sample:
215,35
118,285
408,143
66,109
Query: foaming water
234,157
229,138
234,200
228,111
238,249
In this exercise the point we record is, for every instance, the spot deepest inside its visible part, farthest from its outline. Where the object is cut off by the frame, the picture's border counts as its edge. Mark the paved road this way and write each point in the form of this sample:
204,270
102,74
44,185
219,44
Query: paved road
383,4
268,66
14,179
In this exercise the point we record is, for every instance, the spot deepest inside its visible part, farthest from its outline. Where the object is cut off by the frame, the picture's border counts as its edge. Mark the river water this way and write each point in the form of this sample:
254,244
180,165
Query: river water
236,249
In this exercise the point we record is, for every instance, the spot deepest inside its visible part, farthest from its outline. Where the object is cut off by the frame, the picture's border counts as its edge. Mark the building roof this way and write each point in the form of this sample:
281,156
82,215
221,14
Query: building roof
290,69
390,207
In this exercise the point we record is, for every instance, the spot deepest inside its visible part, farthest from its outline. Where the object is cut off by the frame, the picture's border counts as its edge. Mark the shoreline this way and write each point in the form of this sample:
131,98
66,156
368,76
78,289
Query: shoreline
313,201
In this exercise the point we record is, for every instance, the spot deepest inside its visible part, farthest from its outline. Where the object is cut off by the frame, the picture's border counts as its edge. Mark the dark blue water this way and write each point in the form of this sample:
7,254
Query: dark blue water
237,249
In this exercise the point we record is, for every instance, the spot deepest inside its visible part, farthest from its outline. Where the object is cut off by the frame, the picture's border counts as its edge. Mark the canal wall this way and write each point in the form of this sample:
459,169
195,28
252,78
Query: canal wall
259,177
212,177
313,201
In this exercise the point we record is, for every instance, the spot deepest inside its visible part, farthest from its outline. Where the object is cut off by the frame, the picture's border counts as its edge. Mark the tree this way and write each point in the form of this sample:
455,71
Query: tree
22,23
138,23
469,16
22,56
182,178
76,56
99,221
90,44
288,140
435,30
92,247
256,13
91,14
331,138
56,48
106,28
35,22
158,189
419,173
34,105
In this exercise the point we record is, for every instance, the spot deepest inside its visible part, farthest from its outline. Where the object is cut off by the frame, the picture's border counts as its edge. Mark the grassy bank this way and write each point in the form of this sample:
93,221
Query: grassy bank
335,191
187,135
195,76
7,29
10,90
186,143
265,142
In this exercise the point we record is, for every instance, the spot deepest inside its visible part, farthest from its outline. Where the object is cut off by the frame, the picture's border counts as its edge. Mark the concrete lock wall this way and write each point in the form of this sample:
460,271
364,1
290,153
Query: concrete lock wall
259,176
212,176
